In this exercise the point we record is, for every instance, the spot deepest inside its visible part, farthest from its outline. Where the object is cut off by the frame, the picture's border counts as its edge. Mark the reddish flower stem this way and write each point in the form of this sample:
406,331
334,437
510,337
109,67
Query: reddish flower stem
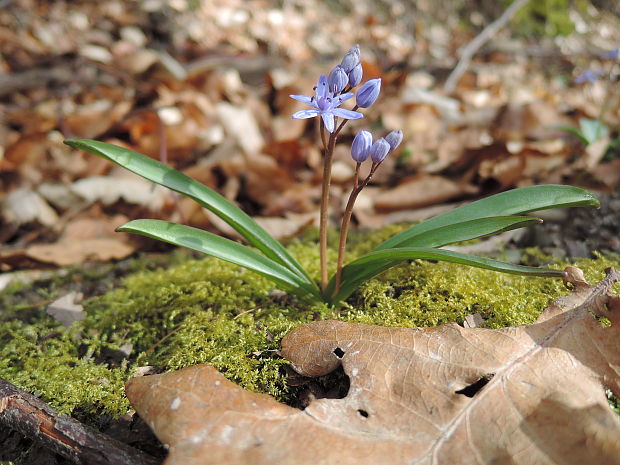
327,173
328,149
346,220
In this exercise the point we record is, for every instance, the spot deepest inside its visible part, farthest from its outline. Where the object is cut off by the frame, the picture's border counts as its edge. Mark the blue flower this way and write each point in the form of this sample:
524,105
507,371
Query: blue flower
326,105
588,76
611,54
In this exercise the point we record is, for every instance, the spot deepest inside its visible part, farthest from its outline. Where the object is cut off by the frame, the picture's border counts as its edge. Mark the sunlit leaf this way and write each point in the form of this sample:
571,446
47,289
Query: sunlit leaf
514,202
467,230
375,263
161,174
220,247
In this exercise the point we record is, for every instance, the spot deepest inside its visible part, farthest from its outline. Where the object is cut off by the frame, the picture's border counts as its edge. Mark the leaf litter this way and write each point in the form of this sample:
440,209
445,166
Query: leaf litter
99,70
449,394
215,103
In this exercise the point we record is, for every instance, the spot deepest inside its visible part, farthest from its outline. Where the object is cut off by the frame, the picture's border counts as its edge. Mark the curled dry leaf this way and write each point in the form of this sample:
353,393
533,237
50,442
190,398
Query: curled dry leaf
521,395
241,125
67,252
23,206
421,190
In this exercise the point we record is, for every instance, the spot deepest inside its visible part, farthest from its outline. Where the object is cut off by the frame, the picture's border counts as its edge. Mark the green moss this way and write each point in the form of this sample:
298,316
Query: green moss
208,311
47,363
548,18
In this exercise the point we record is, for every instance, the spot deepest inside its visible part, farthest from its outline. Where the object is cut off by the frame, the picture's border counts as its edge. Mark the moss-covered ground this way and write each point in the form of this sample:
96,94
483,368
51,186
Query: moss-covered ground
177,310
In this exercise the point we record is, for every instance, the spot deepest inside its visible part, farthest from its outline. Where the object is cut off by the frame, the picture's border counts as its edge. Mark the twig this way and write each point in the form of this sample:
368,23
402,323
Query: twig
35,78
66,436
245,312
471,48
161,341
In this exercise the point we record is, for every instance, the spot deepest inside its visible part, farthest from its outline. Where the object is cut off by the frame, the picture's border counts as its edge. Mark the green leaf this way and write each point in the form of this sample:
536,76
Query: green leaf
161,174
375,263
467,230
592,130
514,202
571,130
220,247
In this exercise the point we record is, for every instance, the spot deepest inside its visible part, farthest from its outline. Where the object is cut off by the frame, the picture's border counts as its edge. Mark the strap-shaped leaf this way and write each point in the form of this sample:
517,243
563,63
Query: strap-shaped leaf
220,247
467,230
573,131
161,174
374,263
514,202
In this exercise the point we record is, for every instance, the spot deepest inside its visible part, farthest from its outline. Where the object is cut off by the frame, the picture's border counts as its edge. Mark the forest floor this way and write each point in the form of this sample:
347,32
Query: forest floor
203,86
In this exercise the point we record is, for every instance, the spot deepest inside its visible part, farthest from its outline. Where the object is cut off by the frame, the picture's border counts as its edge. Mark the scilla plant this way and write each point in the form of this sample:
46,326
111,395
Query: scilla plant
269,258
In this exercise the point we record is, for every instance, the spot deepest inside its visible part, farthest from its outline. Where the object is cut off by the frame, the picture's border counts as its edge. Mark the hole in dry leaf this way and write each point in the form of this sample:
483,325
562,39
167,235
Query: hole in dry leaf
363,413
334,385
338,352
603,321
475,388
613,401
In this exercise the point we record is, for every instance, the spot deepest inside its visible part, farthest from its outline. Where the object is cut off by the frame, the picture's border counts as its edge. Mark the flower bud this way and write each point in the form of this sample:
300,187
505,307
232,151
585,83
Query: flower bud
394,138
351,59
368,93
361,146
337,80
355,75
379,150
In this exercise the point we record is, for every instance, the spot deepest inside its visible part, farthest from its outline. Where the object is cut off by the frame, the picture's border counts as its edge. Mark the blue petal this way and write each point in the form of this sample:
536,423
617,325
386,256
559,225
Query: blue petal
303,114
303,98
328,119
342,98
347,114
322,89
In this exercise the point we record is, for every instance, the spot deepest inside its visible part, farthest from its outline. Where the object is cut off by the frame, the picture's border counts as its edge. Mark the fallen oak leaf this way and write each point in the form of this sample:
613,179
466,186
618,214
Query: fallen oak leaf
67,252
521,395
421,190
207,419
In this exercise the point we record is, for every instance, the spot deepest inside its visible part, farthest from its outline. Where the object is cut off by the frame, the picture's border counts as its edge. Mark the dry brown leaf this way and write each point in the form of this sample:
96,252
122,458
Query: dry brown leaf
24,206
521,395
608,173
111,189
423,129
285,228
420,191
453,148
538,164
71,252
505,168
89,121
83,228
241,125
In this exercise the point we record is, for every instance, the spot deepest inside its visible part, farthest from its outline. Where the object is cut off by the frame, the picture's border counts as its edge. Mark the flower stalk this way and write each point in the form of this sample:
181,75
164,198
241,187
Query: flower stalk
346,219
323,219
330,93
